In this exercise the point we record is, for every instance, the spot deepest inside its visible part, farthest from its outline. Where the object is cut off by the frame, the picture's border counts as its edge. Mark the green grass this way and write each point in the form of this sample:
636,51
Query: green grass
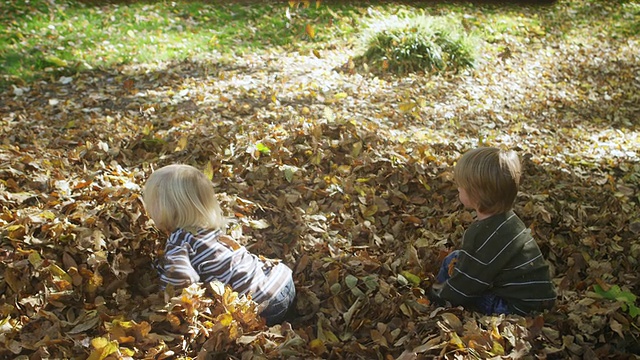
39,38
627,21
504,25
70,36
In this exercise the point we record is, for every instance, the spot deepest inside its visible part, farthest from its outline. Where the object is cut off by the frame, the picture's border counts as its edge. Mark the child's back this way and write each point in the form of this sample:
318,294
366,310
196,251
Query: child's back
181,201
500,268
500,257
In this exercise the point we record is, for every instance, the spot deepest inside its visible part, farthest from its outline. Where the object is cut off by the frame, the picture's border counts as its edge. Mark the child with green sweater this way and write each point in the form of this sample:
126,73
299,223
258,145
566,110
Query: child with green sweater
499,269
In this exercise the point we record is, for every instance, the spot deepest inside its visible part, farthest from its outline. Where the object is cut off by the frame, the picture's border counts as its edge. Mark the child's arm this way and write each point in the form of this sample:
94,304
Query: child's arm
176,268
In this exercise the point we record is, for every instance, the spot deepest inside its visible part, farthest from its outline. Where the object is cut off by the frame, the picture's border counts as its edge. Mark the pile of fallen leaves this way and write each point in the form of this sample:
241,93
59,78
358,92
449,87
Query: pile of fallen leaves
343,175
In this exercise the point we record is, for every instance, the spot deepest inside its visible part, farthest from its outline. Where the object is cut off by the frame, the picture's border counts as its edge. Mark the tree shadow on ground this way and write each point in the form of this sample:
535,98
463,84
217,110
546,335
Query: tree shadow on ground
216,124
358,197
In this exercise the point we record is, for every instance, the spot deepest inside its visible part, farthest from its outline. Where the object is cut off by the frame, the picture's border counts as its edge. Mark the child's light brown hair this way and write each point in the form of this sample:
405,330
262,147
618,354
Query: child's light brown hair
491,178
180,196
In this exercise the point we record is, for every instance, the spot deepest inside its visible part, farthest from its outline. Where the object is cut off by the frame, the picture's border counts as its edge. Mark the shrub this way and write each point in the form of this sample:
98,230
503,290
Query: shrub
422,43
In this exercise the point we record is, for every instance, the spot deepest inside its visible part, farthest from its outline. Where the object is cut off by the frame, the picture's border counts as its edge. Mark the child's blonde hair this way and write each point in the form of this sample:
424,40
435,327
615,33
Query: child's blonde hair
180,196
491,178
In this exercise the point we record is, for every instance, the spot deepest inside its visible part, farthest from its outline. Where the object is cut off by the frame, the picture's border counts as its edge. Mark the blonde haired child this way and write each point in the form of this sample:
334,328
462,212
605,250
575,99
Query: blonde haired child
182,202
499,268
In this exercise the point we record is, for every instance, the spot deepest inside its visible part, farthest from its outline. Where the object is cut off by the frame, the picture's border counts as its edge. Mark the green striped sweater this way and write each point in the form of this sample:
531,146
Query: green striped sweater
500,256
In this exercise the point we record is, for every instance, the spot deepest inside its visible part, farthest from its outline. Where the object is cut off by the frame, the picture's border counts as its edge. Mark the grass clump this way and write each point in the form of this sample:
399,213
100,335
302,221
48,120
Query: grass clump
421,43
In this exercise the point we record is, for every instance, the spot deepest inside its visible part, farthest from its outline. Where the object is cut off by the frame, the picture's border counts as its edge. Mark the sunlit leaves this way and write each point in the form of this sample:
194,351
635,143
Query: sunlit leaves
345,177
102,348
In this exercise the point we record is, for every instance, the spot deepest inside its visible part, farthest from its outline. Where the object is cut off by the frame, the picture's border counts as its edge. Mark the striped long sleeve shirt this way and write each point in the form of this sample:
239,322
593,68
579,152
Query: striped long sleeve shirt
500,256
209,255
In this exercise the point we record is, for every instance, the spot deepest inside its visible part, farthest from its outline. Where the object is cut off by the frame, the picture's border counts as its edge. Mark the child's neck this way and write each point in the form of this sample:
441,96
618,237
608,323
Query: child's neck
482,216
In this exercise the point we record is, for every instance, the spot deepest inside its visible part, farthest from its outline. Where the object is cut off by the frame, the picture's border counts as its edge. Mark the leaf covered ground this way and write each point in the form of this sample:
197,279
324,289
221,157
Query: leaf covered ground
344,175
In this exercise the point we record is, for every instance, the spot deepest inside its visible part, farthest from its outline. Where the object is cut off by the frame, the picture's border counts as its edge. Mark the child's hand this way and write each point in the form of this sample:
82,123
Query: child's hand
434,295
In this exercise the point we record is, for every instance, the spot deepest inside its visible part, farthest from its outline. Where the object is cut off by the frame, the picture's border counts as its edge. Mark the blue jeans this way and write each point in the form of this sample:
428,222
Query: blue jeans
488,303
278,306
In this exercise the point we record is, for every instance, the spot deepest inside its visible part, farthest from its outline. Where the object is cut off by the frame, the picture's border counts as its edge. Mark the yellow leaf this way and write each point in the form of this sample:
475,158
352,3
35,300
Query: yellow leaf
326,336
94,282
57,272
344,169
356,148
208,170
497,348
127,352
99,343
413,279
316,159
310,31
35,259
225,319
317,346
47,214
340,96
370,211
52,59
455,340
407,106
16,231
331,337
182,143
495,333
102,348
